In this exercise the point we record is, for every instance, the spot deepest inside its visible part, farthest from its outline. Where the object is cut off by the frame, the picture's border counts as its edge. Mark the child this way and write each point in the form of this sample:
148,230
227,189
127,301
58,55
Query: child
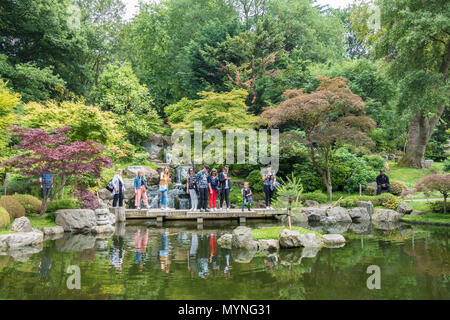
248,195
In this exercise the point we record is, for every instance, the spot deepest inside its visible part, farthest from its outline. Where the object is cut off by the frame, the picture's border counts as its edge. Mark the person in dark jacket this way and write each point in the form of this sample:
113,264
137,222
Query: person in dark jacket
383,182
224,188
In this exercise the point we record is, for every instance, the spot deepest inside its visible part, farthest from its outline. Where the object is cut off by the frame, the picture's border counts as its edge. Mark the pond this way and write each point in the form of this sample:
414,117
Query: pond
178,261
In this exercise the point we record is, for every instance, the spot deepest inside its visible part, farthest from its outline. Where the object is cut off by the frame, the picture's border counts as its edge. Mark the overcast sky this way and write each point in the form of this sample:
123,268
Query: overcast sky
132,5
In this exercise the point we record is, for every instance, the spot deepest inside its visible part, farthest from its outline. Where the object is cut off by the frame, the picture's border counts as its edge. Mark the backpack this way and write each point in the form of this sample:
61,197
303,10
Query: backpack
110,186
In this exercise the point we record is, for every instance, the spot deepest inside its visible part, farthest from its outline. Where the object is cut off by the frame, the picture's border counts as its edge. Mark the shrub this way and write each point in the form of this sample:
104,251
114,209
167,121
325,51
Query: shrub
385,200
397,187
447,165
87,199
235,196
316,196
30,203
63,204
12,206
436,206
375,161
254,178
4,218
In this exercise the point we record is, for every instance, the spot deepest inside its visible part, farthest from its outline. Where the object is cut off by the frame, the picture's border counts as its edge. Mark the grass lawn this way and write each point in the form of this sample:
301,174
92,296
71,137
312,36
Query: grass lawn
274,232
429,217
46,221
411,175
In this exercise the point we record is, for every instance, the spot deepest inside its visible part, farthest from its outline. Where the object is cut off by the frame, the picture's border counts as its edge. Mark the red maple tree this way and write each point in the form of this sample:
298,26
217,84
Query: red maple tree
57,154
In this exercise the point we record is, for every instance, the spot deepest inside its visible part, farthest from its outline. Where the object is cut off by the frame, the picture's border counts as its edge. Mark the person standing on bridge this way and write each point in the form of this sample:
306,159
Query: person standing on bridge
269,179
247,195
191,189
213,182
164,181
225,188
140,191
202,181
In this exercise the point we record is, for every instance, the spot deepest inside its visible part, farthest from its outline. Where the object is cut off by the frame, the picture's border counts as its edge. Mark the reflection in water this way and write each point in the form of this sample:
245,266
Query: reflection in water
185,263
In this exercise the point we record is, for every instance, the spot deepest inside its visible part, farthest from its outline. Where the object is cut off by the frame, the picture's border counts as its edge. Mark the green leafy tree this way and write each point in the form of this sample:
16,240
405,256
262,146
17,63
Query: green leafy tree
414,40
330,115
118,90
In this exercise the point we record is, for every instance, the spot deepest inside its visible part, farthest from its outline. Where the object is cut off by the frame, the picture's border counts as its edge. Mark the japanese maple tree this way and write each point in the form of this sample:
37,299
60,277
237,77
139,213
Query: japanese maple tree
435,182
330,115
55,153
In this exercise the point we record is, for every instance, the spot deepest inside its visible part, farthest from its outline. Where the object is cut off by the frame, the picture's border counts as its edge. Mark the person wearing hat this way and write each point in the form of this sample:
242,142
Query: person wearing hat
383,182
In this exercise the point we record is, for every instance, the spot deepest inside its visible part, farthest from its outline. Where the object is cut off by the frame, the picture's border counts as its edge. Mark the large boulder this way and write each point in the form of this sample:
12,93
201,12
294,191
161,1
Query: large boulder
289,239
268,245
338,214
310,240
386,215
242,238
366,204
338,227
362,227
150,174
295,218
129,188
75,242
21,224
225,241
294,239
332,240
359,214
104,194
314,213
76,220
53,230
404,208
20,239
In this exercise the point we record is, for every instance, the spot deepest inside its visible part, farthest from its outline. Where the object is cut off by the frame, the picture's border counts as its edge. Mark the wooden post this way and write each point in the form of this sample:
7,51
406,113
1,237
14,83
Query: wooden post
242,220
160,219
412,191
199,220
360,190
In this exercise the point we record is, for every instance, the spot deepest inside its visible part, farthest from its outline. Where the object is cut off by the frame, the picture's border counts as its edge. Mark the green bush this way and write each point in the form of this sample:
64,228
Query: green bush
375,161
12,206
235,196
316,196
63,204
255,180
438,206
384,199
4,218
30,203
447,165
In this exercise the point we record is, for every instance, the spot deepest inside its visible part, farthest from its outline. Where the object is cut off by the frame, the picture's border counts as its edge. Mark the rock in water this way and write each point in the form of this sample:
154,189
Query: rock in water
386,215
225,241
76,220
20,239
22,224
333,239
366,204
339,214
268,245
310,240
242,238
359,214
289,239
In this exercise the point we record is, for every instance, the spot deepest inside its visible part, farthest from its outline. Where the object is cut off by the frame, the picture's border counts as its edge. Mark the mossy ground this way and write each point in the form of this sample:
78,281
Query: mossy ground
46,221
273,232
429,218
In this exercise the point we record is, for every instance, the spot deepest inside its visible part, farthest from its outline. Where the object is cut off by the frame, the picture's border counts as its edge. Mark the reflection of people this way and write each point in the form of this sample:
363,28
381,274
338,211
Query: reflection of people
164,253
270,262
227,268
46,182
44,264
117,253
140,251
383,182
192,256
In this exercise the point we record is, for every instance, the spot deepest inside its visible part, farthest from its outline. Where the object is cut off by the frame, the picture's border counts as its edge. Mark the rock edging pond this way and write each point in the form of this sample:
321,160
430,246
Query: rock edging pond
264,239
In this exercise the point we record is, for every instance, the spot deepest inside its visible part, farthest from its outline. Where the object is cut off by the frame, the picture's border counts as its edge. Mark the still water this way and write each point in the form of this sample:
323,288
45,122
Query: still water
144,261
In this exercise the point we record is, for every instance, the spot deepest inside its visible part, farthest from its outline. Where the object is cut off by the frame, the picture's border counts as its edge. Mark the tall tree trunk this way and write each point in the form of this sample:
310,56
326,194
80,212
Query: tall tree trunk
421,128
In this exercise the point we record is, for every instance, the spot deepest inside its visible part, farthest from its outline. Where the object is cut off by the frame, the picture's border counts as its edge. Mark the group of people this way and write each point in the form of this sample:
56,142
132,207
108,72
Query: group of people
203,188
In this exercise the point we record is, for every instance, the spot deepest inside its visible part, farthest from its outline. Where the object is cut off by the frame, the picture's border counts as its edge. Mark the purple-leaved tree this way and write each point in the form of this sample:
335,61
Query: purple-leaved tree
57,154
